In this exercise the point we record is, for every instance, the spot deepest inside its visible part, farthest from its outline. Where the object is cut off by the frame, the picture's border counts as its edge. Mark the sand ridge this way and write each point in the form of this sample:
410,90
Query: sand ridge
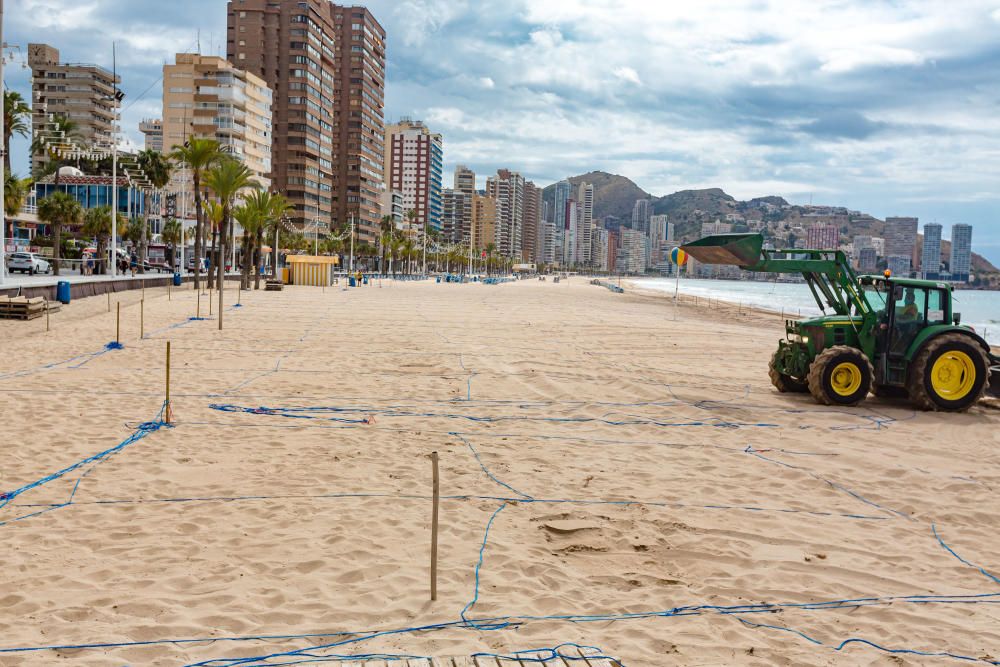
652,484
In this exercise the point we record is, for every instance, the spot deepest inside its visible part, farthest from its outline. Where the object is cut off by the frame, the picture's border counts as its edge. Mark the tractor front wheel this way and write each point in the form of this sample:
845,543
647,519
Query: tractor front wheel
840,376
786,384
949,374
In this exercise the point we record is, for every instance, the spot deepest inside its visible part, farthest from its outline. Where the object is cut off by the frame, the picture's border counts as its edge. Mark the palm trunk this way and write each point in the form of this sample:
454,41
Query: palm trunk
222,253
56,239
6,149
213,255
143,240
246,261
258,256
197,230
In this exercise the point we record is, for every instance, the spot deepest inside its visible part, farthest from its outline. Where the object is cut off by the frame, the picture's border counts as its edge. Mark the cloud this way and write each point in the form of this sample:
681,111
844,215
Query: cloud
882,106
628,74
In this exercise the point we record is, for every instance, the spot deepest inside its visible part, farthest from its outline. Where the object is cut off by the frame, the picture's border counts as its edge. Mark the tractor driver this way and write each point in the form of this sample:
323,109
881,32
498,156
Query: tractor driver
909,313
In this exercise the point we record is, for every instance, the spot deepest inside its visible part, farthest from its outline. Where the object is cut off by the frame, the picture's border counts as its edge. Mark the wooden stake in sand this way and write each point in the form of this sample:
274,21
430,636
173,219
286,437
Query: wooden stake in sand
197,312
142,319
166,411
46,314
118,321
434,528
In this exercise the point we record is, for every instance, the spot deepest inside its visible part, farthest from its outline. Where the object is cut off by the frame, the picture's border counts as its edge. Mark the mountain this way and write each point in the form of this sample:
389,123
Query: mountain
616,195
613,195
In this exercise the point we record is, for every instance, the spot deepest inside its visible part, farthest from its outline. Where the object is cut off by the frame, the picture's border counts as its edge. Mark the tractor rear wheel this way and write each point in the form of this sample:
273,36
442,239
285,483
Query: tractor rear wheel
841,375
786,384
950,374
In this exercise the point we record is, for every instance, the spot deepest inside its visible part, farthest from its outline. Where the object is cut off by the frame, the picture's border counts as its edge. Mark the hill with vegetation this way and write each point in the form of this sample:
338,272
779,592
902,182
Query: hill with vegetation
688,210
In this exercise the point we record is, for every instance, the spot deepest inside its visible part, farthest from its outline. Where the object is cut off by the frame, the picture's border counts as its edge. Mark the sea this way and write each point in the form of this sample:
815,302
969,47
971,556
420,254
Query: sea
979,308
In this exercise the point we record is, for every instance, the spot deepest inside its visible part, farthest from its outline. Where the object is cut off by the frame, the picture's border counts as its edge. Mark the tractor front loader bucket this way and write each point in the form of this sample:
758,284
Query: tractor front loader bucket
736,249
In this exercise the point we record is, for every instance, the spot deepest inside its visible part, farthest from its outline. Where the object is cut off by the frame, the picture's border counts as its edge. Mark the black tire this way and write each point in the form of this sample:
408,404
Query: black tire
786,384
921,380
842,366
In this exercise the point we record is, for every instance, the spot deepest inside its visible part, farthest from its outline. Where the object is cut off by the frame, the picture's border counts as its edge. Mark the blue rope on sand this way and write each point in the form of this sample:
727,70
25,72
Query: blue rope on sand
141,432
982,571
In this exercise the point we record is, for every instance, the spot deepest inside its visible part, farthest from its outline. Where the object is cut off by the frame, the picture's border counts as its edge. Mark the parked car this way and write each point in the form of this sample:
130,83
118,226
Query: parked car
27,262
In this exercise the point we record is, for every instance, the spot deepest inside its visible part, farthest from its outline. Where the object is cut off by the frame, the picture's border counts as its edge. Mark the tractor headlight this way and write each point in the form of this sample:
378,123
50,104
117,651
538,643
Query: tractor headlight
805,340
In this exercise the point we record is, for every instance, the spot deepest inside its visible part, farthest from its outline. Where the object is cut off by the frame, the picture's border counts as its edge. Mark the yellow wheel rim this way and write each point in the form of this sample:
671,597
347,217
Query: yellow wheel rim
845,379
953,375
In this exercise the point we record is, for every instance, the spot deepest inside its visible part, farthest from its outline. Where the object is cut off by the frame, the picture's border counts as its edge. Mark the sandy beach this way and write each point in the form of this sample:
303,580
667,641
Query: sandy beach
614,474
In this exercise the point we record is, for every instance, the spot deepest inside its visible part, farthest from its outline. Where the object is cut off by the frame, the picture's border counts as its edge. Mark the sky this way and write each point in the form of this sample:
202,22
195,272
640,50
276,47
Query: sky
889,107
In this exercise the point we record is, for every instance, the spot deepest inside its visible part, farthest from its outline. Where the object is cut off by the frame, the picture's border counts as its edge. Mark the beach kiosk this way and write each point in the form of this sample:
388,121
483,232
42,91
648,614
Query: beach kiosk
312,270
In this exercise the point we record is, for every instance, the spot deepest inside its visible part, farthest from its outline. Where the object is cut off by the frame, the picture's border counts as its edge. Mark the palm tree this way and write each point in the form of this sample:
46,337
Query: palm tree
14,192
270,209
226,179
198,155
213,220
40,146
16,113
97,223
251,220
157,170
490,249
171,233
56,210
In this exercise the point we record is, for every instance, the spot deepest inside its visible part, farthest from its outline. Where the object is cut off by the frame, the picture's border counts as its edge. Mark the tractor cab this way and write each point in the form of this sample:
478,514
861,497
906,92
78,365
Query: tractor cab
905,309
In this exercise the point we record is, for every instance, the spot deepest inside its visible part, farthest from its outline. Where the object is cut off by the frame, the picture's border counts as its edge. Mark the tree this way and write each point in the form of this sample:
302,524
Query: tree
269,208
57,210
226,179
171,233
97,224
157,170
251,220
16,115
198,155
213,220
58,132
14,193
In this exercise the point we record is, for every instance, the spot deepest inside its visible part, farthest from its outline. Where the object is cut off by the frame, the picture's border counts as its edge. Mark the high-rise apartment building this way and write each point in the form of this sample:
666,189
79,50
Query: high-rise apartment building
641,213
82,93
901,240
532,222
632,252
585,235
453,205
867,259
484,221
823,237
507,188
961,252
152,130
930,257
563,192
207,97
413,165
660,236
465,182
599,255
326,66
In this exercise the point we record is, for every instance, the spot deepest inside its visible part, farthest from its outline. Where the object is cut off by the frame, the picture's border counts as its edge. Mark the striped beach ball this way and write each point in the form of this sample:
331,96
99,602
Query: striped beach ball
678,257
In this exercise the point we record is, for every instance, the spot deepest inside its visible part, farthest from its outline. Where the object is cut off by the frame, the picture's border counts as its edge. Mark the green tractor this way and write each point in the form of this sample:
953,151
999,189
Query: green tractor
887,336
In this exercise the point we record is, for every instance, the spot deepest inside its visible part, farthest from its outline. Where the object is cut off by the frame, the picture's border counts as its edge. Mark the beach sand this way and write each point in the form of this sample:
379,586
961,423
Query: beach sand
636,467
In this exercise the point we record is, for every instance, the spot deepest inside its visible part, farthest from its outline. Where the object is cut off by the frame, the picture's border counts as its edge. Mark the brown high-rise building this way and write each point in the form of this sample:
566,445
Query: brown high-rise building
80,92
532,221
326,66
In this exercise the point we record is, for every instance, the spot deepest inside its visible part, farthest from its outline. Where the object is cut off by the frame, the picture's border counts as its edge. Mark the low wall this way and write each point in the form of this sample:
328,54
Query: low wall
82,290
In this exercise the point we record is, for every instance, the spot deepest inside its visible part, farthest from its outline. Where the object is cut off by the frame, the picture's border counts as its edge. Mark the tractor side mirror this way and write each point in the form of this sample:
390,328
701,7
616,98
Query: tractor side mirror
956,318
